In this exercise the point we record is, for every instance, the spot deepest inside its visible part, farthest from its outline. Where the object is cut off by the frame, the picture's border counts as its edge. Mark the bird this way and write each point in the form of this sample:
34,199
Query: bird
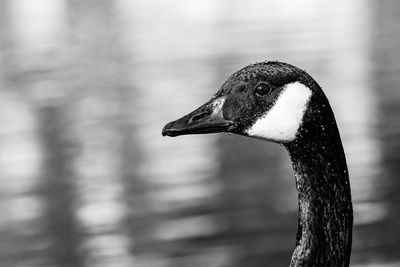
278,102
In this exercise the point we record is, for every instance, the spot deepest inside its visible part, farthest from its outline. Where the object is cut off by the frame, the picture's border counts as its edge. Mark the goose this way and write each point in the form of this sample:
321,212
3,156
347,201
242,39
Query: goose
278,102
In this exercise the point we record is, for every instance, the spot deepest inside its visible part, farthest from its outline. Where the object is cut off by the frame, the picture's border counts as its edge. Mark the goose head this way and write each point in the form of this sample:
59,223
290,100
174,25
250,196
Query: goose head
278,102
268,100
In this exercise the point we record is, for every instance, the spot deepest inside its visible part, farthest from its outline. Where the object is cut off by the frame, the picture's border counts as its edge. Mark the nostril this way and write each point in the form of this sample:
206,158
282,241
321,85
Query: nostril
199,116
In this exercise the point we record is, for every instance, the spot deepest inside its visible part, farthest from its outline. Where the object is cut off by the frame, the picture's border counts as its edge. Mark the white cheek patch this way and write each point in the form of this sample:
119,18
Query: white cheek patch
282,121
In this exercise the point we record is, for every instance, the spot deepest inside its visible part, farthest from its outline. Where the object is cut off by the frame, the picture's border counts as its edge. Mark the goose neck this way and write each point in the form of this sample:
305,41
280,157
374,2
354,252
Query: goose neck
325,208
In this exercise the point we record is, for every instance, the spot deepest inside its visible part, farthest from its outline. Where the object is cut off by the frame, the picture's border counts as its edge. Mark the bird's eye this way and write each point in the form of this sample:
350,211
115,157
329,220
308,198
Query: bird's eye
262,89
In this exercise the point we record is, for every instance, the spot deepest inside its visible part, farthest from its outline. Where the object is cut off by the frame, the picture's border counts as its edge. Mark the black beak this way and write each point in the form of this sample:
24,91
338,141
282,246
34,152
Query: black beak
206,119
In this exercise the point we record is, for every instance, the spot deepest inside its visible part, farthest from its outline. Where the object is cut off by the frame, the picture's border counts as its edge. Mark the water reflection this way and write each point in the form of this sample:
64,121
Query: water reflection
87,179
38,27
19,206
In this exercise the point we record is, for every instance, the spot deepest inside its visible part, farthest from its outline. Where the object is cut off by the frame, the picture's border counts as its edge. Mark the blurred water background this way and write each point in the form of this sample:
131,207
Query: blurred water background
86,179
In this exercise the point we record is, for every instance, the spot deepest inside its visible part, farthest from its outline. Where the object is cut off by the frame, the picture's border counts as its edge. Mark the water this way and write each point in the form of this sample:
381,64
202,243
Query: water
86,86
